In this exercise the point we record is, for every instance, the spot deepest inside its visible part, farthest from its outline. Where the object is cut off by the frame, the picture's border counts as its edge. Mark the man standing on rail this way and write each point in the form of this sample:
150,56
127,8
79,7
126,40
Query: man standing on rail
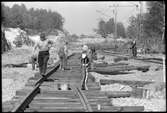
44,46
134,48
93,56
85,65
63,53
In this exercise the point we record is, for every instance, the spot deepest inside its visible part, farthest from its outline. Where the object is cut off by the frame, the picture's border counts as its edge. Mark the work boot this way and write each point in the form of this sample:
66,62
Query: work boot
84,87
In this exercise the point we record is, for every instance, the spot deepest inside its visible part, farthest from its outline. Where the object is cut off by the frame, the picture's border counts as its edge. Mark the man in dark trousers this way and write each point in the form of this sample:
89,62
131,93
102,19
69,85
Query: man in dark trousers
85,65
134,48
44,46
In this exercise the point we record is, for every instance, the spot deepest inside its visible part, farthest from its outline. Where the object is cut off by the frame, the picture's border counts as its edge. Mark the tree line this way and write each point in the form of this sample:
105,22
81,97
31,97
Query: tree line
152,24
36,19
108,27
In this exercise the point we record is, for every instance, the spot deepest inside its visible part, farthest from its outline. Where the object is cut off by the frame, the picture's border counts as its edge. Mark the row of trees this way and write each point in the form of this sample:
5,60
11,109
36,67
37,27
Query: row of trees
152,25
37,19
108,27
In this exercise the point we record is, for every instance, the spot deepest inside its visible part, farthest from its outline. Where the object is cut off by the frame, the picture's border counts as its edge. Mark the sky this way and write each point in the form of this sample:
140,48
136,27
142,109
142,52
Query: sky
83,17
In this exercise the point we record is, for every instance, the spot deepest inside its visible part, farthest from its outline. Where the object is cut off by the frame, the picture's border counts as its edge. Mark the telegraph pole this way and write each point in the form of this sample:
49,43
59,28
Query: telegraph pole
115,11
115,20
163,29
140,21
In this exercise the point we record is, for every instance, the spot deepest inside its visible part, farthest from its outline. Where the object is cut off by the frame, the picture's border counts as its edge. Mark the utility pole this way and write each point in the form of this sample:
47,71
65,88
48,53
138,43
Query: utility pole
140,21
163,29
115,11
115,19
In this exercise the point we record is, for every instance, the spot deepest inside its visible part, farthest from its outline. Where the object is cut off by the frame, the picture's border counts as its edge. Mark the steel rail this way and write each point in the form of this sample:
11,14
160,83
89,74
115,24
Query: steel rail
29,97
83,99
25,102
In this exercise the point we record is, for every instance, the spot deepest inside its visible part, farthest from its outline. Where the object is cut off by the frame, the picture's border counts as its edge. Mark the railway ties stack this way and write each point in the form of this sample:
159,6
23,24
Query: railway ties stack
62,92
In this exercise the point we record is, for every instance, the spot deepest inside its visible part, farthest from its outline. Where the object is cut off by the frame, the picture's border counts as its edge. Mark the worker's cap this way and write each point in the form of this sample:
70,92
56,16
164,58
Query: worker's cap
42,35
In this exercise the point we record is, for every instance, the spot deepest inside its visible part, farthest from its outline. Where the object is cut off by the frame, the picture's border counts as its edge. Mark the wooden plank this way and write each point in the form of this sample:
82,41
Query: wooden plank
152,61
118,94
94,88
59,107
120,108
54,110
98,100
57,95
124,68
126,82
133,108
55,105
56,100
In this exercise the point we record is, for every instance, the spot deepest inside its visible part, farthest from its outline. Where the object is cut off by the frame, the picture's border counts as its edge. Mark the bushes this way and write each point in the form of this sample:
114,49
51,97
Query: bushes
23,40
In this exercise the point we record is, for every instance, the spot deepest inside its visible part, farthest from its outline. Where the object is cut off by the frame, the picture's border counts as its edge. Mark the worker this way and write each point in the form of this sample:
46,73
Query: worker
63,53
44,46
85,65
134,48
93,56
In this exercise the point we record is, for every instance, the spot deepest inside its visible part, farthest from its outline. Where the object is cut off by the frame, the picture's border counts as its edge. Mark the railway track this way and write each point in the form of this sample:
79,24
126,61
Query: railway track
61,91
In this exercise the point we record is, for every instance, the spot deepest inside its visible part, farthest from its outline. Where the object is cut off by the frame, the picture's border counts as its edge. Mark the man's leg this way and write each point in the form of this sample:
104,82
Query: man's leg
33,63
135,51
65,62
45,61
40,62
61,63
85,77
